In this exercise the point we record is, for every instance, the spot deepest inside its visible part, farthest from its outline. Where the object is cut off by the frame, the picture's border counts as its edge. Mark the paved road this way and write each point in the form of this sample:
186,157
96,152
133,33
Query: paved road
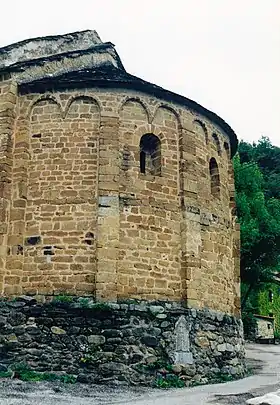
18,393
265,381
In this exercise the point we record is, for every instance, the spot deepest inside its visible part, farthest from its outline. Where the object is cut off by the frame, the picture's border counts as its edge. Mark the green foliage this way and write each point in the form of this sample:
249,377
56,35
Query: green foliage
259,218
249,323
267,158
63,298
68,379
266,307
30,376
84,302
23,372
6,374
101,306
165,378
222,378
20,368
159,365
87,358
169,381
50,377
81,302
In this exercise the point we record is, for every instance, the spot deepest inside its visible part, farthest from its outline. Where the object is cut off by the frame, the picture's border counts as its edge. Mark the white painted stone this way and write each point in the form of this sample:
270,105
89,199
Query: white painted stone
183,358
182,353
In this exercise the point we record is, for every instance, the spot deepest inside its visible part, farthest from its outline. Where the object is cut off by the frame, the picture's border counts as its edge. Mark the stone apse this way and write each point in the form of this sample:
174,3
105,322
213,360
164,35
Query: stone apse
111,186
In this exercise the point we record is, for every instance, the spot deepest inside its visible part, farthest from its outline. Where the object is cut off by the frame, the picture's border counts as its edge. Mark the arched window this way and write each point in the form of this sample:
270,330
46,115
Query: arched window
215,177
200,128
217,143
226,146
150,155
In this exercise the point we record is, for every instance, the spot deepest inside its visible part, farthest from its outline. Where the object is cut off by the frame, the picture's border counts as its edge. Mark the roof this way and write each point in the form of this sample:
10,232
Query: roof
81,60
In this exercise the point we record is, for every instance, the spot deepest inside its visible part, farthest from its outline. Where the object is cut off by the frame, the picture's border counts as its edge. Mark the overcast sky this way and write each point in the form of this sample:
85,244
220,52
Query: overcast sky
224,54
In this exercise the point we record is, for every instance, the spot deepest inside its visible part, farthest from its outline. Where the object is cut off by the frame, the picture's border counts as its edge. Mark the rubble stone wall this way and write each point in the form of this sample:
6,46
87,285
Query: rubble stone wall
136,342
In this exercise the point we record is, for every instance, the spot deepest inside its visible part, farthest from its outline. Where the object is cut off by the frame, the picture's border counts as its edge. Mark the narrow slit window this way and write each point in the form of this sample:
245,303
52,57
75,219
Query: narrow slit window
226,146
142,162
150,155
217,143
214,178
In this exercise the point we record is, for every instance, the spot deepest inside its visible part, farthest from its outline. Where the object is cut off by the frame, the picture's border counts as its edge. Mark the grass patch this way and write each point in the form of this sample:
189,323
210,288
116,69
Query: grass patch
68,379
24,373
63,298
6,374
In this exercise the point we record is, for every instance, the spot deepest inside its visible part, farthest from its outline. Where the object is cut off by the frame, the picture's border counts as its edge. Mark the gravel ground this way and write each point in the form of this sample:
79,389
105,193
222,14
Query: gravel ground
264,359
15,392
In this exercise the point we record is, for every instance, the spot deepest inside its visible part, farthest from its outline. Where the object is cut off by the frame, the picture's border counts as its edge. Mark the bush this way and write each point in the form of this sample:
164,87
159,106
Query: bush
169,381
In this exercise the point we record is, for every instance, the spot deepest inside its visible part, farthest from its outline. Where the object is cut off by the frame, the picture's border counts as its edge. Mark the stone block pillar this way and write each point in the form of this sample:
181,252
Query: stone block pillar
108,208
16,233
190,225
236,263
9,279
193,256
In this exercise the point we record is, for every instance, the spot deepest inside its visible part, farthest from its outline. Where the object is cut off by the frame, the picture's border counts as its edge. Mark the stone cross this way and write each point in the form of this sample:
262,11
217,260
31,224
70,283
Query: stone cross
182,340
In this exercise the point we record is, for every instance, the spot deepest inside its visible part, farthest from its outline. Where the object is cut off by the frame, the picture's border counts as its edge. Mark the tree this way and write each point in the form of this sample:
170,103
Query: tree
267,157
259,218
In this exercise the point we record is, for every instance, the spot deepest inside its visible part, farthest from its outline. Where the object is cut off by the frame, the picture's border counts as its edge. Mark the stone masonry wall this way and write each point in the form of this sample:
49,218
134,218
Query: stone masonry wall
84,220
135,342
9,273
150,240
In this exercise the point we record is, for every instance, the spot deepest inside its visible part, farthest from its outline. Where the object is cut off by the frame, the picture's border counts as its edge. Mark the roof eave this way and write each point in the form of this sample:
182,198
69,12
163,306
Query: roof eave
129,82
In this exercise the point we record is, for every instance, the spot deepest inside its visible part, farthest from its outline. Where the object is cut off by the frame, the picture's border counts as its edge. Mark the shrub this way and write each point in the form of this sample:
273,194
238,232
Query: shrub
169,381
5,374
63,298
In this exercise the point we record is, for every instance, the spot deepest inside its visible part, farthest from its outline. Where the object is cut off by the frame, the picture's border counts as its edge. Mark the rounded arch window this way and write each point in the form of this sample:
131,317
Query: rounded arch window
150,155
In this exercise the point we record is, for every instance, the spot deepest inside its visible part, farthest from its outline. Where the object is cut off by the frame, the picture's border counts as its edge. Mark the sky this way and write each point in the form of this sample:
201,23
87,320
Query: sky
224,54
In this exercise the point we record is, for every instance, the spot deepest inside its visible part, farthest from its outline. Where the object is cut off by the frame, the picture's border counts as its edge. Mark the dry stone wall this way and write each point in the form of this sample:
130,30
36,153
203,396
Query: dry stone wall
121,342
82,218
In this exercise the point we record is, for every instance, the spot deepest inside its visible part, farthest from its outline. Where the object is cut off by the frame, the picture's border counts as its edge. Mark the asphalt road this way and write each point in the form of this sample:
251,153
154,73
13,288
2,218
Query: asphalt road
13,392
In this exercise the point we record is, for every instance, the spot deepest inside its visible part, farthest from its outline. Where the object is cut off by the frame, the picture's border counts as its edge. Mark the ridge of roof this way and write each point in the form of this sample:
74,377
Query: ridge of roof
35,48
16,44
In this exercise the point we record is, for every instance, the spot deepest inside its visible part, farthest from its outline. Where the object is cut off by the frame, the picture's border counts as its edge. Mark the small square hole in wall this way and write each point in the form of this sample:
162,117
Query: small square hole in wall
48,251
32,240
17,250
37,136
89,238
